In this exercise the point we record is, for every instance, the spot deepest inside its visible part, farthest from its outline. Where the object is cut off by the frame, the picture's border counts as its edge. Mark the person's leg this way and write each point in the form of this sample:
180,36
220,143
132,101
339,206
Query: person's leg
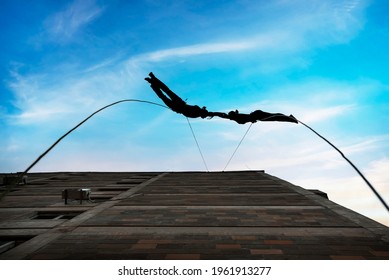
174,97
265,116
163,97
259,115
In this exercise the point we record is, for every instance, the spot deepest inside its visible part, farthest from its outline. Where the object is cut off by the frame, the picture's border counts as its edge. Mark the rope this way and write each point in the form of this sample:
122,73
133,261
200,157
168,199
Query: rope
198,146
270,117
355,168
238,146
22,174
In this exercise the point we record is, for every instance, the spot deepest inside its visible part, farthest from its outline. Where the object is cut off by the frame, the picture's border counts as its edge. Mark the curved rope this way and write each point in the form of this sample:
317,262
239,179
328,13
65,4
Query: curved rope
349,161
22,174
78,125
333,146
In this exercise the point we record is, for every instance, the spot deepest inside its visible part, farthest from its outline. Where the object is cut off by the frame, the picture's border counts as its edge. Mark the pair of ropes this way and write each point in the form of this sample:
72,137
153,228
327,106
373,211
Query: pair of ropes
228,162
22,174
201,154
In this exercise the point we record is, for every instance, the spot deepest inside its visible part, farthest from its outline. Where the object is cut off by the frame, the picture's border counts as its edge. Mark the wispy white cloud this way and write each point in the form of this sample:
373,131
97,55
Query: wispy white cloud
101,65
41,114
325,22
40,100
379,174
298,27
195,50
366,145
322,114
62,26
302,28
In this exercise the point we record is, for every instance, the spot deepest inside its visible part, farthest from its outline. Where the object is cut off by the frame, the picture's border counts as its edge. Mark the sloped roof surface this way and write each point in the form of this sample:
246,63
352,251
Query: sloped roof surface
183,215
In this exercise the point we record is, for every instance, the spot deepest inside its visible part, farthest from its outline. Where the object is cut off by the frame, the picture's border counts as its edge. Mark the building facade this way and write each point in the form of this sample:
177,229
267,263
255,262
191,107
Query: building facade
181,215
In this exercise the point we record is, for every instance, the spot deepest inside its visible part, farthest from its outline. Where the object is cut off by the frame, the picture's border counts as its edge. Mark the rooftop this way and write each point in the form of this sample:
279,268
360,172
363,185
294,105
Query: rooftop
181,215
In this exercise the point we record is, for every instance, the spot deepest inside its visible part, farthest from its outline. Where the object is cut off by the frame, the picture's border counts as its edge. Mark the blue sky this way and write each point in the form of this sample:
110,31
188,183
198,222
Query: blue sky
325,62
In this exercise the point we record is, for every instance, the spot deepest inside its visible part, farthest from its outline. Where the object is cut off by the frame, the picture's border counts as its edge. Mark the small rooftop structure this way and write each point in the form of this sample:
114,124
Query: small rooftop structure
181,215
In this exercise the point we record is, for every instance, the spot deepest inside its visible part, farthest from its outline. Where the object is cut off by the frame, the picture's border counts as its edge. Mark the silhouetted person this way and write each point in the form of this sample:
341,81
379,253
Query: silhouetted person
174,102
259,115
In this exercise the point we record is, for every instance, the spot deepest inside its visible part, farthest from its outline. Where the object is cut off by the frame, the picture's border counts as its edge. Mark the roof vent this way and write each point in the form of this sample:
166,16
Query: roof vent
76,194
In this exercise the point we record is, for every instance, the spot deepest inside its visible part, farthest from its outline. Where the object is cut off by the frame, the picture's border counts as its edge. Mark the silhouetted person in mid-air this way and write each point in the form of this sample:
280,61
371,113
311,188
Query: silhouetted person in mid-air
174,102
259,115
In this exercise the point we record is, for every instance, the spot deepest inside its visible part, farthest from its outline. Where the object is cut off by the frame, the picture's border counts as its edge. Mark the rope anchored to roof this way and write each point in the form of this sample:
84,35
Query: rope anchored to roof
353,166
22,174
175,103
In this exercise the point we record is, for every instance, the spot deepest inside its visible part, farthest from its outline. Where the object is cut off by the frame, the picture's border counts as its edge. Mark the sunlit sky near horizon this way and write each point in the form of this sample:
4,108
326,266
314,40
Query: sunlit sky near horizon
325,62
